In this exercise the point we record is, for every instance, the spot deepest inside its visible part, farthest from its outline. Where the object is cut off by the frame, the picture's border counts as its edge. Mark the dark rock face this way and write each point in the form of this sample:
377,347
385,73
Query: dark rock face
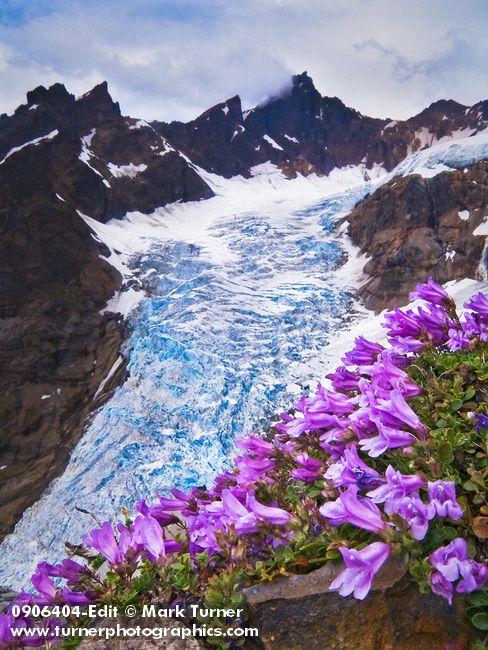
99,162
55,347
414,227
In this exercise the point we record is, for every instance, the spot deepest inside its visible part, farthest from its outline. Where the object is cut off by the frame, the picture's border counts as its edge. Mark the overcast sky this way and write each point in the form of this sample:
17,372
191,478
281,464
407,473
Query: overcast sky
172,59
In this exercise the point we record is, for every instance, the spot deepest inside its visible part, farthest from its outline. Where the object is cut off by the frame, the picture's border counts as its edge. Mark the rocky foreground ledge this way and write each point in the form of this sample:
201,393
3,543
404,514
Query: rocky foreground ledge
299,613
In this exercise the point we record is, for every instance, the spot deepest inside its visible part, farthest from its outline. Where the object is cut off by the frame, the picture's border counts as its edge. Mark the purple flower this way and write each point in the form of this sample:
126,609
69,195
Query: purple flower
328,401
405,344
395,411
77,597
256,446
179,502
156,511
253,469
441,586
472,327
361,422
402,323
68,569
395,489
244,521
430,292
363,353
349,509
311,421
34,639
294,426
309,470
479,304
50,594
149,534
442,500
414,512
103,540
222,481
267,514
6,622
319,412
361,568
435,322
343,379
388,438
451,563
457,340
481,422
202,529
45,587
385,374
475,576
351,470
447,559
334,433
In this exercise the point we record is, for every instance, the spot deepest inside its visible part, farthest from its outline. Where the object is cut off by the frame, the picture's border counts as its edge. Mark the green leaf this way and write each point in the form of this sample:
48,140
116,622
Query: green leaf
480,621
478,598
445,453
471,392
456,405
332,555
450,533
470,486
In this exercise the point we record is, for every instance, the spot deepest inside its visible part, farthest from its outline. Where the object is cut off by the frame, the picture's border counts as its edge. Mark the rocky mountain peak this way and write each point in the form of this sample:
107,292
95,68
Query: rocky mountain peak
442,109
480,109
304,82
98,105
55,94
229,112
304,97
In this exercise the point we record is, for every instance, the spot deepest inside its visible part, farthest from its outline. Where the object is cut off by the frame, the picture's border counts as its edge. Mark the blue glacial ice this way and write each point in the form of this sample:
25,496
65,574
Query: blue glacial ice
220,344
212,354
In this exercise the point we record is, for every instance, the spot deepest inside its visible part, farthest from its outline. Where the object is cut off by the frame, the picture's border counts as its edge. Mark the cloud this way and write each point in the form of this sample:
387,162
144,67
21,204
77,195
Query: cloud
171,59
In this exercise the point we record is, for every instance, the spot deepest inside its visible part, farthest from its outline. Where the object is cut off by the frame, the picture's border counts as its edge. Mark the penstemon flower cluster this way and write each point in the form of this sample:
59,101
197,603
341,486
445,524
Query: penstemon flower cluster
388,458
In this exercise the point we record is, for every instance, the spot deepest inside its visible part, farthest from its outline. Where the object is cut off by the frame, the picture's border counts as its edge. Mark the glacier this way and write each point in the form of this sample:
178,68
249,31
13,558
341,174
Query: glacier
234,305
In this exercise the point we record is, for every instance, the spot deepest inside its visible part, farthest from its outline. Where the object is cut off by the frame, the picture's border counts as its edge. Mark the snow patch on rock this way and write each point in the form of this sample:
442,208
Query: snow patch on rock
34,142
272,142
130,170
